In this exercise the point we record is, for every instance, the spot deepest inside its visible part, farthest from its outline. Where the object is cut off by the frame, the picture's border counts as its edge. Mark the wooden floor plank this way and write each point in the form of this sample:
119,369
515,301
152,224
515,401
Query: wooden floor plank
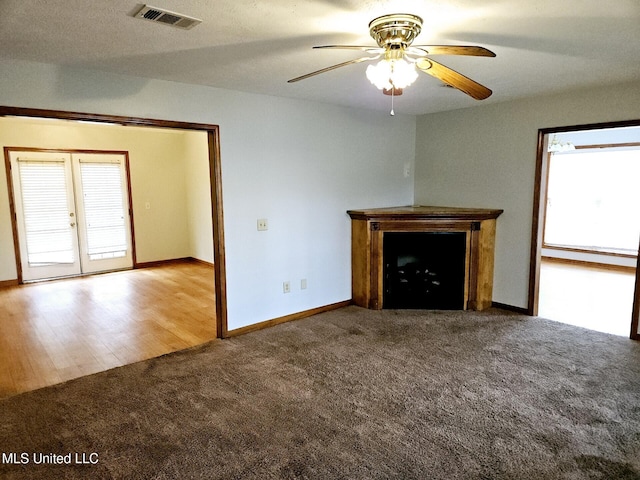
55,331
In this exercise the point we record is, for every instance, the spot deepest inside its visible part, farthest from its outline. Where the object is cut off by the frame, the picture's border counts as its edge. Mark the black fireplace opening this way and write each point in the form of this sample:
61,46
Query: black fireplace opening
424,270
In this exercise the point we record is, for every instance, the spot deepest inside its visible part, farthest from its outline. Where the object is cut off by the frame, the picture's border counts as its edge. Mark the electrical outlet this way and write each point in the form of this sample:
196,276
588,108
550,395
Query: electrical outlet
303,284
262,224
286,287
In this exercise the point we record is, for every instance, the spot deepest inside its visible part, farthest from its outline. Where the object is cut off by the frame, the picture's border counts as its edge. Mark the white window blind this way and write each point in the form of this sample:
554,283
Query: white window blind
49,236
104,210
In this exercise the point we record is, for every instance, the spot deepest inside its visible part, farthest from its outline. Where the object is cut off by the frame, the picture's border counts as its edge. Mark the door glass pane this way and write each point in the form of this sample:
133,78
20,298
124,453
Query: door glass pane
49,237
104,210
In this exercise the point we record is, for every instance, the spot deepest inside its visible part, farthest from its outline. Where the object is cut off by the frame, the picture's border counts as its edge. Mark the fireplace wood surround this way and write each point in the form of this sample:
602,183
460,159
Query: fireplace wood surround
368,230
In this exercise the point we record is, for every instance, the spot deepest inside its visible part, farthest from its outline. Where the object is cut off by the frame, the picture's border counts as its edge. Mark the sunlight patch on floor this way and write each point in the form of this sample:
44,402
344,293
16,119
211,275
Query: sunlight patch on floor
593,298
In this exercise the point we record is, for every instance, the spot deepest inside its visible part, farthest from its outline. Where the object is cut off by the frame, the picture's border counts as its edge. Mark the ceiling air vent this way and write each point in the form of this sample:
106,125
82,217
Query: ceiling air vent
174,19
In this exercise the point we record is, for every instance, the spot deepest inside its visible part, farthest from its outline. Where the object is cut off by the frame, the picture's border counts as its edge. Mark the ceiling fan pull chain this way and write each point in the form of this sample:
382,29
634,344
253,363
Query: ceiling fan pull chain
392,113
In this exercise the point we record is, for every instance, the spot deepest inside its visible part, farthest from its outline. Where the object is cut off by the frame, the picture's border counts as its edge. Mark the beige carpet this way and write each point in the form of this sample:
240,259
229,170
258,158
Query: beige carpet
352,394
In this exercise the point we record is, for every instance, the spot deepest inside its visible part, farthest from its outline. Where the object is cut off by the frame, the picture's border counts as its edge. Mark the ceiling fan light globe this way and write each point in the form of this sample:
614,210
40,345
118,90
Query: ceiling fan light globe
388,74
404,73
380,74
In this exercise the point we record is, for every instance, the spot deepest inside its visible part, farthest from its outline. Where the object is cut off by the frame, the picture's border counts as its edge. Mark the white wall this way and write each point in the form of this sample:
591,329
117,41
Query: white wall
486,157
198,186
301,165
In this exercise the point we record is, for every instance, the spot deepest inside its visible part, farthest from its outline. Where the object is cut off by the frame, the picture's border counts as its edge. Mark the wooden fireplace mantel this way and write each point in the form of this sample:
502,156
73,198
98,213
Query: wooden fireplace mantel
367,237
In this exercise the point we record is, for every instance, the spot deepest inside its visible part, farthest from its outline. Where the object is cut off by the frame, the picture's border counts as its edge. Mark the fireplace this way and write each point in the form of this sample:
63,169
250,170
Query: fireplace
423,257
424,270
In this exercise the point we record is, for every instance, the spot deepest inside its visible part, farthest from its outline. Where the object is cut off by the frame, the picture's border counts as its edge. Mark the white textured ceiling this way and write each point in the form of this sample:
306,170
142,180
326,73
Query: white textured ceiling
542,46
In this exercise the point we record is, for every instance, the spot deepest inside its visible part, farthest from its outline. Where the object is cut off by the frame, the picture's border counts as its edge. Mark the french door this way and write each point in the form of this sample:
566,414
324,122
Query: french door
72,213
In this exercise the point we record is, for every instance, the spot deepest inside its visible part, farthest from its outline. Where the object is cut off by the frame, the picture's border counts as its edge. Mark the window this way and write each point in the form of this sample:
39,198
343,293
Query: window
589,196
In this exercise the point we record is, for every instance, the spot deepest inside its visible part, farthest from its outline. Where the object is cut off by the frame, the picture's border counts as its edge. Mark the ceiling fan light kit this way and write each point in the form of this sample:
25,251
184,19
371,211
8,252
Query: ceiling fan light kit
397,69
394,73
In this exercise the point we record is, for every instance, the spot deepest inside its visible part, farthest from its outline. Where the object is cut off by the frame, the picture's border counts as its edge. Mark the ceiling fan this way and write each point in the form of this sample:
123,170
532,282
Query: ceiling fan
394,35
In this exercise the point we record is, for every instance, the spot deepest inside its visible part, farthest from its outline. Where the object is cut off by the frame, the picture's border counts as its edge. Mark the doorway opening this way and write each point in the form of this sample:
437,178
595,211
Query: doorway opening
215,177
586,227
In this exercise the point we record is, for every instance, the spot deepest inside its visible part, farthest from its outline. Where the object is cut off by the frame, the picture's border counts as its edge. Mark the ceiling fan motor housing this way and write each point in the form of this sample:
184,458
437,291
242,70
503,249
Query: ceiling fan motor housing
395,31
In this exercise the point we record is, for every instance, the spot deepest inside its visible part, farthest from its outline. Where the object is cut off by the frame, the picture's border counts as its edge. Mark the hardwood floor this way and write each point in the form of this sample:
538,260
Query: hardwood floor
55,331
589,297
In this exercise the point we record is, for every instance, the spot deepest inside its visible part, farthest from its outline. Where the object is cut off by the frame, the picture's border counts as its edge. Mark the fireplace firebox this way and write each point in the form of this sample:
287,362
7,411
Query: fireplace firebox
423,257
424,270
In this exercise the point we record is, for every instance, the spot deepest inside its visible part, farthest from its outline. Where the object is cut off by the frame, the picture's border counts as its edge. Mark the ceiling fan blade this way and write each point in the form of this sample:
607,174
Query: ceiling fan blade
371,49
453,78
332,67
471,50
